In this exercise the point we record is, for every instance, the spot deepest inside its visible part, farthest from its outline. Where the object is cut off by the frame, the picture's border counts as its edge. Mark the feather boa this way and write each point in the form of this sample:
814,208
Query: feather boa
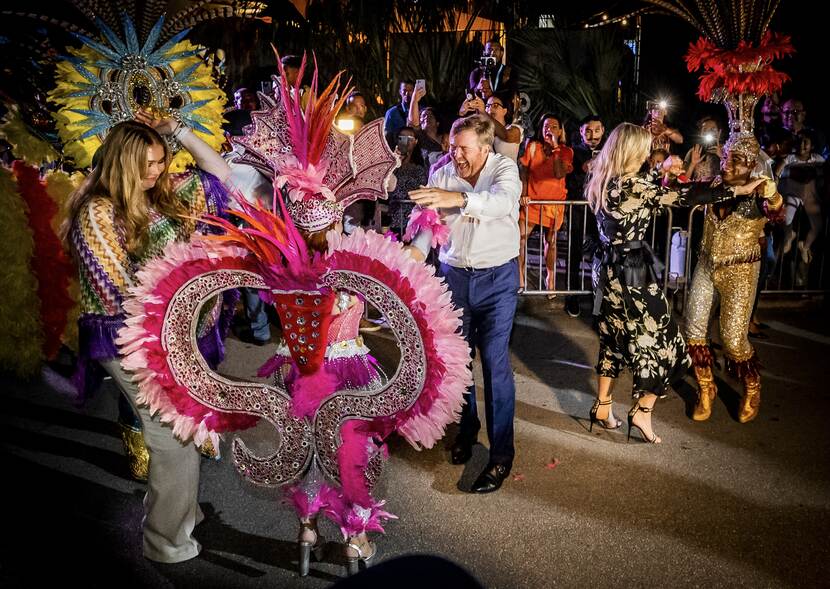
448,356
427,219
140,340
59,186
21,336
50,263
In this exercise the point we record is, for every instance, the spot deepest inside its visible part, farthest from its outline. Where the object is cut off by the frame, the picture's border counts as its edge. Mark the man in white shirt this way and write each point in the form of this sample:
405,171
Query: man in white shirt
479,196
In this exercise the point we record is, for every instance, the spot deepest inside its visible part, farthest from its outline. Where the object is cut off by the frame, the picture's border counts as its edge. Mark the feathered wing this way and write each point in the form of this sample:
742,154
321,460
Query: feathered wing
374,165
444,364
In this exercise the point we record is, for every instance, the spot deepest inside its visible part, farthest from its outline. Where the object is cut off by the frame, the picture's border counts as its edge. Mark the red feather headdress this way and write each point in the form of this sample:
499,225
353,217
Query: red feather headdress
743,70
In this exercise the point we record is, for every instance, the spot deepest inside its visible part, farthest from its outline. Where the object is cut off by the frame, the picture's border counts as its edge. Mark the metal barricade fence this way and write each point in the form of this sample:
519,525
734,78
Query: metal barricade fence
577,267
787,268
790,267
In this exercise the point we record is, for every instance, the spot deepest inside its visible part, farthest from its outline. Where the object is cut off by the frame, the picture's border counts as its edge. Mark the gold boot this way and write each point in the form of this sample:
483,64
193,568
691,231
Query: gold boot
707,391
137,456
208,451
751,401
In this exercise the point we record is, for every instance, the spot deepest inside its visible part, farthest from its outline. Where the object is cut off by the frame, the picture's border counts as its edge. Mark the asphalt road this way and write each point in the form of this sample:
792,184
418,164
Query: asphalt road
718,504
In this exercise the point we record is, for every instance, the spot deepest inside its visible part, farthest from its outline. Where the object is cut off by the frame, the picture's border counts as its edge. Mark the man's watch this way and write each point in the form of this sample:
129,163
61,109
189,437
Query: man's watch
465,200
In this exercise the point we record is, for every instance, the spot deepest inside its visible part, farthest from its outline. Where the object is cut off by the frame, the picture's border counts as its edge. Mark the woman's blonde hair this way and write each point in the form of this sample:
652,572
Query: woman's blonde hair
121,166
628,146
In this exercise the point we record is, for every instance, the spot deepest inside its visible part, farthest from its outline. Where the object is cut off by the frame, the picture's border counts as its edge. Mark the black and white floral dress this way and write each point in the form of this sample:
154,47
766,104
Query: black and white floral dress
635,324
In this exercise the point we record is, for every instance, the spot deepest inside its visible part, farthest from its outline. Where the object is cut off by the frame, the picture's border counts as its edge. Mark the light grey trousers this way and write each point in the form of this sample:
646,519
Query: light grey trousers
171,504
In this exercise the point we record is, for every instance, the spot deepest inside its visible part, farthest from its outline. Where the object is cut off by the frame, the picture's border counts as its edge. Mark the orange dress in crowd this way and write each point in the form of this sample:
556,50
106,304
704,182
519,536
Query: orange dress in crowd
542,185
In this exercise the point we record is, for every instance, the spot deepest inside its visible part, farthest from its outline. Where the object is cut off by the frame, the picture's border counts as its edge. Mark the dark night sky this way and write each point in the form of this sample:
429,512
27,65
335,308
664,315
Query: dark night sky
665,40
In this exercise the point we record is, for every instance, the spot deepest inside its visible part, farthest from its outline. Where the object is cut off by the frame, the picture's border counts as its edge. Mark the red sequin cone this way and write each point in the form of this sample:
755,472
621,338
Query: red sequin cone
305,318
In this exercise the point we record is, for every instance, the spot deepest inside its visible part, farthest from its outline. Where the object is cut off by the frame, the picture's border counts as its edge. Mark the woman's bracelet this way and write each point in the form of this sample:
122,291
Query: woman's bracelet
179,130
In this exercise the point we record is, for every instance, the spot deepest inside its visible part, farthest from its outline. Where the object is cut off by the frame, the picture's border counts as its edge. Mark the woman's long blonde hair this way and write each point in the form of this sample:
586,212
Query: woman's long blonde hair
627,147
122,163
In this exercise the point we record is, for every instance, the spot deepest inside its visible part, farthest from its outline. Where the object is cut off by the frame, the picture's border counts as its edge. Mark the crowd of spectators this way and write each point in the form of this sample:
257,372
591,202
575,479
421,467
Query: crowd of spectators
553,168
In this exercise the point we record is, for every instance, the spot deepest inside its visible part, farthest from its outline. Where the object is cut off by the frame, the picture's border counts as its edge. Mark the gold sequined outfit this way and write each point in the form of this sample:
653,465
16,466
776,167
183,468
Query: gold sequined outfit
728,267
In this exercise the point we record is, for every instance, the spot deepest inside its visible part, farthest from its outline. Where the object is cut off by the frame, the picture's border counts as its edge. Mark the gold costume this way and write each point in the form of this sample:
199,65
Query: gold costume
728,268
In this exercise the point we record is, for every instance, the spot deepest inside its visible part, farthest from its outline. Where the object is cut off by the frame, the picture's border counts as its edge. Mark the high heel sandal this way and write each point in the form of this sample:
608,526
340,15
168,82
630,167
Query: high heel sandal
603,422
355,557
631,414
309,546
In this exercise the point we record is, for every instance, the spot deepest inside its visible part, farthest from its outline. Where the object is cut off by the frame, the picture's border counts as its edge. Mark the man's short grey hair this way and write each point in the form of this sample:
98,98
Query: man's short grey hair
481,125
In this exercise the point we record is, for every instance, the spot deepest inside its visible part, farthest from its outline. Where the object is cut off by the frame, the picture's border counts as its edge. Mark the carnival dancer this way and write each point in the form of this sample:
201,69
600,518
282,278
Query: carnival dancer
121,218
110,79
736,73
636,329
727,269
329,402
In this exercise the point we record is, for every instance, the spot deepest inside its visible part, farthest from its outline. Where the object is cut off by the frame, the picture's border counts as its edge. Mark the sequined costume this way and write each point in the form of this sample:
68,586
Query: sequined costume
349,360
635,324
735,57
727,270
328,406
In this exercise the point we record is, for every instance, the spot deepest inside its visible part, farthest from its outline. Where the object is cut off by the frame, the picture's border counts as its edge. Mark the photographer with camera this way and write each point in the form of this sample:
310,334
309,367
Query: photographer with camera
703,160
491,67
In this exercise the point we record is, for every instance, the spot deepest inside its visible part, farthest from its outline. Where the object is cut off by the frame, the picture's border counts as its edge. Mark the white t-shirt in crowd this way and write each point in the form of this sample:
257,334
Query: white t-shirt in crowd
506,149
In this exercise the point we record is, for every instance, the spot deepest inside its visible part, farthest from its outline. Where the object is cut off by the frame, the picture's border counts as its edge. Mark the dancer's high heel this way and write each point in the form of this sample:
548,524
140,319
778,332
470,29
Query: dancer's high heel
358,556
637,407
310,543
605,423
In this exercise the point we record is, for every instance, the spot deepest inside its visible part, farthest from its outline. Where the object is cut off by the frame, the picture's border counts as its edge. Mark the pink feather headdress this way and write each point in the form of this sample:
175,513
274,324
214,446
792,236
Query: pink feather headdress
311,203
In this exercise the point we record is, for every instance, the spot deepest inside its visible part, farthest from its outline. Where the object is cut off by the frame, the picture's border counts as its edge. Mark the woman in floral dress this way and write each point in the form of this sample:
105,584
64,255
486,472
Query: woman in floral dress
635,326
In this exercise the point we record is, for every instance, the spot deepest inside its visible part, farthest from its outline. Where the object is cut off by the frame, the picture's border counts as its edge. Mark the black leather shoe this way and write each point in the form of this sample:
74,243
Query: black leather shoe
460,452
491,479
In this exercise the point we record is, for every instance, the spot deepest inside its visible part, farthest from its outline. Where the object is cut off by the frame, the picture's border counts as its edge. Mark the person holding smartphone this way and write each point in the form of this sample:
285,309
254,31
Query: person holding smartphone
543,167
663,135
703,160
411,174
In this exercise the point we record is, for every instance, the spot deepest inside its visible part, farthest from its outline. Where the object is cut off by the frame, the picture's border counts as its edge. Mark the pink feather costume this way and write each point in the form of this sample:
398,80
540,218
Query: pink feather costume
349,362
329,402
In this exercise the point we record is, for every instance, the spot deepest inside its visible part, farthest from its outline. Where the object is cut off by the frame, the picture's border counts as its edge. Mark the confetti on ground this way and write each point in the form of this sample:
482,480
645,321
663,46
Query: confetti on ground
518,477
552,464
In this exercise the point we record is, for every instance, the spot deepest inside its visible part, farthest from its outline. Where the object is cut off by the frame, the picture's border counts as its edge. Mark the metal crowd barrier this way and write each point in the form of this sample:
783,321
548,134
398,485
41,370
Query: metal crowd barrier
787,272
784,270
659,235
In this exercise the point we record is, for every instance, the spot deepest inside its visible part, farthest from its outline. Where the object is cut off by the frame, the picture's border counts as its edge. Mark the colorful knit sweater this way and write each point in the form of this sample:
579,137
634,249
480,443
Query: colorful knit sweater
107,270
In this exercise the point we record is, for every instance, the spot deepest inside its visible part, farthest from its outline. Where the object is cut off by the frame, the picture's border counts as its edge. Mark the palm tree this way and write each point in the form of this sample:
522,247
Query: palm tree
575,73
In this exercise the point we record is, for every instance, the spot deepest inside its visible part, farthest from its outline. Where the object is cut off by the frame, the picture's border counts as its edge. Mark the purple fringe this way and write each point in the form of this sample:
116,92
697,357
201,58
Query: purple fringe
356,371
216,198
212,344
96,342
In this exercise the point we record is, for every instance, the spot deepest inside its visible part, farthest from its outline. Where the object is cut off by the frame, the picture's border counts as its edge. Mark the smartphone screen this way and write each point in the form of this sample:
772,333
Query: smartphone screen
421,84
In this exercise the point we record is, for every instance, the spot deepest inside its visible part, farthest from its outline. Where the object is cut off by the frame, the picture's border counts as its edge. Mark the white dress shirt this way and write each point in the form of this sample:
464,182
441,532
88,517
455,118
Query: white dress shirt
486,232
